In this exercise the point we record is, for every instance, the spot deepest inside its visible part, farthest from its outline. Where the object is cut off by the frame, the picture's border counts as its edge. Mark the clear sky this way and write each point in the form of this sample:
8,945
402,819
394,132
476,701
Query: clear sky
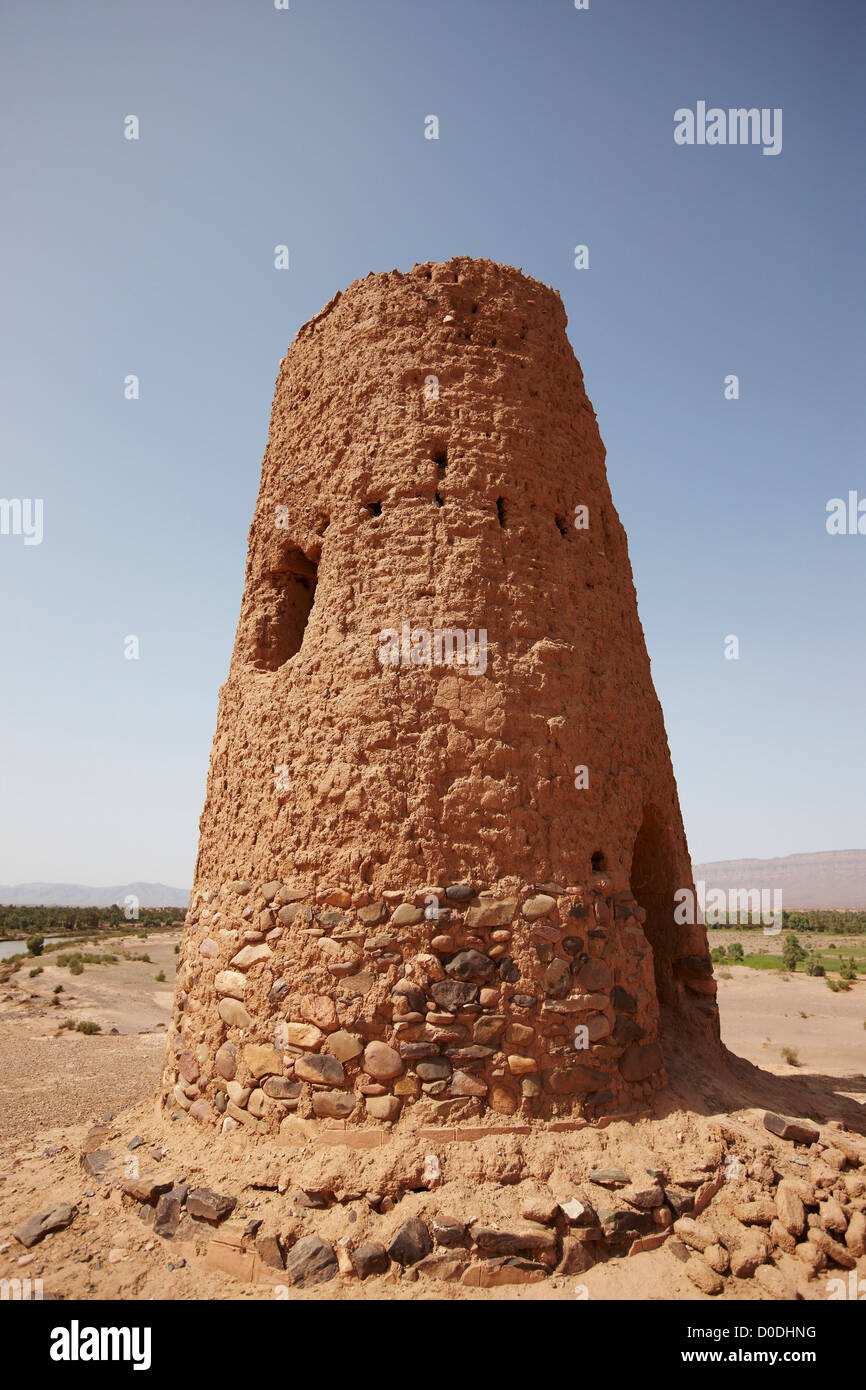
306,127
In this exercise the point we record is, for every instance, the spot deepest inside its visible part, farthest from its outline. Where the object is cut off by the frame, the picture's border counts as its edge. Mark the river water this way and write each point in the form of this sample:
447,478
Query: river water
15,948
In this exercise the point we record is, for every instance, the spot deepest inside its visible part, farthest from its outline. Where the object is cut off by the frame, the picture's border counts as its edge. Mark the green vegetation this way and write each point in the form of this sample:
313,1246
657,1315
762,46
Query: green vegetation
160,977
37,971
55,921
84,1025
792,952
813,920
35,945
732,954
791,1056
786,952
76,960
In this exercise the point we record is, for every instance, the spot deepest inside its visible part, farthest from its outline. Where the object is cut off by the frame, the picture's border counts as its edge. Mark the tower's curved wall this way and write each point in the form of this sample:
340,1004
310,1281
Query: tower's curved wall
422,879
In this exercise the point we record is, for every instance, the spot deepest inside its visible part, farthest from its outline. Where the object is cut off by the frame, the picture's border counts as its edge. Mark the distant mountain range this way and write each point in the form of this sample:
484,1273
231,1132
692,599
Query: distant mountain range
82,895
832,879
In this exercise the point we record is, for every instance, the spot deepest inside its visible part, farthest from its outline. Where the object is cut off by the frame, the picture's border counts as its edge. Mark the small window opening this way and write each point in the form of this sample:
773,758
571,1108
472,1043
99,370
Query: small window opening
287,604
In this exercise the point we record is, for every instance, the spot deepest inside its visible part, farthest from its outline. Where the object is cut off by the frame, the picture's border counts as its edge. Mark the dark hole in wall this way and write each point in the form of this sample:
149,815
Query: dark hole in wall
441,461
599,863
287,604
652,884
374,508
438,500
501,512
561,524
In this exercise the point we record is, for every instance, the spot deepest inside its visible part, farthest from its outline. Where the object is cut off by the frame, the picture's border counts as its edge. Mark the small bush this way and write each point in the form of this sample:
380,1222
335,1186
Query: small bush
160,977
76,967
813,966
58,989
792,952
735,952
791,1056
37,971
35,945
86,1025
847,969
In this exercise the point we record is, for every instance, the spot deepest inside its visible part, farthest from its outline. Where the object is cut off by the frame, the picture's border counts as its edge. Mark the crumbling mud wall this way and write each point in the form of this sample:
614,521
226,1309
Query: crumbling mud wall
441,838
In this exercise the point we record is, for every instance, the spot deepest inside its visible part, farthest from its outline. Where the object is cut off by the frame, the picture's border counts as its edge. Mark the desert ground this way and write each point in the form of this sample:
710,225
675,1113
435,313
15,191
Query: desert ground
78,1126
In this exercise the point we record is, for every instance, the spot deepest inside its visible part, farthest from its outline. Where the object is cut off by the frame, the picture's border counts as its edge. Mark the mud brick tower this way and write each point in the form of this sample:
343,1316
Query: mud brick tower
441,839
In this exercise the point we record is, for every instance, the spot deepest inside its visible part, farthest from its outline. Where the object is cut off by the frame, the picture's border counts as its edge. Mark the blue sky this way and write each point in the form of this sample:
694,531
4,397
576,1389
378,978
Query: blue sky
306,127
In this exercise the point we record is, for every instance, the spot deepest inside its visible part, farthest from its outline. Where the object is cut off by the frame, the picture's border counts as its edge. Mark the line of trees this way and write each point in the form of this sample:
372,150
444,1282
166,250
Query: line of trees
56,921
813,919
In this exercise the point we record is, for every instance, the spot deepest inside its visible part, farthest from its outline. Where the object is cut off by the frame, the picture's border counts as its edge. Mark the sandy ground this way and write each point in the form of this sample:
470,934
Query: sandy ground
55,1084
50,1075
763,1012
